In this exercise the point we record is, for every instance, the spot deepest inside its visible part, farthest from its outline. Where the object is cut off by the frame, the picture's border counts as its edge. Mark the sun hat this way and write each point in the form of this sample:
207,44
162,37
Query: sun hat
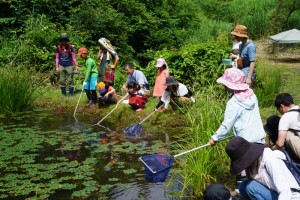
81,51
240,31
170,80
101,87
234,79
160,62
271,127
217,192
64,37
242,153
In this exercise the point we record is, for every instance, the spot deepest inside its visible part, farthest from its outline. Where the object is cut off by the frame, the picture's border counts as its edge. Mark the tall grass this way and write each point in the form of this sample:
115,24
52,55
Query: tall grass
209,164
269,85
17,90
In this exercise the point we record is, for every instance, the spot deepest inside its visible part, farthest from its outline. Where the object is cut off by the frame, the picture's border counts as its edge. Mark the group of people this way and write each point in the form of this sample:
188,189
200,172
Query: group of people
253,153
167,89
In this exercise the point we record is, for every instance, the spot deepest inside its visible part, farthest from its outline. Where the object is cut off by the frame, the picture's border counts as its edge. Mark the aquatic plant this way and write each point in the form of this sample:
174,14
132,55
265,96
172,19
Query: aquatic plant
17,90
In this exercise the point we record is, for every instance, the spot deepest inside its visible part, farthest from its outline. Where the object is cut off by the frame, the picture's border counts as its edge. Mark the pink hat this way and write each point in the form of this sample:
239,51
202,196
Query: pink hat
234,79
160,62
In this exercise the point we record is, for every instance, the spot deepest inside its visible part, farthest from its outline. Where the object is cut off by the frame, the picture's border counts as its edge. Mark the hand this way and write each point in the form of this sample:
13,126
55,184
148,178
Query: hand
212,142
106,95
84,84
77,69
249,81
57,68
155,109
112,66
232,56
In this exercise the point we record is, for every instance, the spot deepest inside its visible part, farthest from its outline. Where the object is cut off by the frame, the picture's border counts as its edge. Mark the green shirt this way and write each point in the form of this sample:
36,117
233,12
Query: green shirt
91,69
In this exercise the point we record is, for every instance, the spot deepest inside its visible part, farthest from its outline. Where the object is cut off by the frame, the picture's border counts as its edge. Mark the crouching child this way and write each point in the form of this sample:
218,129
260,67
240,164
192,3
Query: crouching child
107,93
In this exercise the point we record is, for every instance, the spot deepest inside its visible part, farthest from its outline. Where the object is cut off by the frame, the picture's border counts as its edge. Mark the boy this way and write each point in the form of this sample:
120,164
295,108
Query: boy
91,75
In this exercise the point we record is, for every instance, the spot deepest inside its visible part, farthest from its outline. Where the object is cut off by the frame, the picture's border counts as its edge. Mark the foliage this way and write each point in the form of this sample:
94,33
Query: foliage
17,87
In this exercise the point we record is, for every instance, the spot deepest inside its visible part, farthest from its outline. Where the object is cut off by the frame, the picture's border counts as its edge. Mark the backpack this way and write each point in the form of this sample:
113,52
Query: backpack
68,49
292,166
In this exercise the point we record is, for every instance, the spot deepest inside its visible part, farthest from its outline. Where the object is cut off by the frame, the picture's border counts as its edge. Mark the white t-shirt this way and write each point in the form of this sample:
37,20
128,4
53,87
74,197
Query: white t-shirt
290,120
236,45
181,91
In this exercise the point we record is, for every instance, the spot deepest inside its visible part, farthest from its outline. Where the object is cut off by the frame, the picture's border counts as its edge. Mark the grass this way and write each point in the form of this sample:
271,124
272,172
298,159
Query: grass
17,89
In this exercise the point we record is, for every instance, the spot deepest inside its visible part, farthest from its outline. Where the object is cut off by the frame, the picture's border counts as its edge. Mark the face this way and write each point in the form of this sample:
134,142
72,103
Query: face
228,89
84,55
64,42
131,90
128,70
281,109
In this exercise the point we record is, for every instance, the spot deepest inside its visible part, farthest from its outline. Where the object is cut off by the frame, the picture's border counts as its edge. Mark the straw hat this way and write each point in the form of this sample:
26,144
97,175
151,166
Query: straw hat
240,31
234,79
242,153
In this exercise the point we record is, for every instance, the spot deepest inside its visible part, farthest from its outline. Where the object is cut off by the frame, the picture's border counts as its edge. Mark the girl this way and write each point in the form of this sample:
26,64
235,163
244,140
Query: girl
107,93
137,97
162,74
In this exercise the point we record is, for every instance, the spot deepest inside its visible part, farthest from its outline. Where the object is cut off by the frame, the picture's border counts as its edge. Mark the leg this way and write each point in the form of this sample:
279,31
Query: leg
293,142
94,96
62,80
253,190
70,75
88,94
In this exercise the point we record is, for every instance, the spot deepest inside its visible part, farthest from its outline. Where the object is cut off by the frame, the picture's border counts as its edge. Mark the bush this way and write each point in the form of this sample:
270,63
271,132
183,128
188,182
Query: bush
17,90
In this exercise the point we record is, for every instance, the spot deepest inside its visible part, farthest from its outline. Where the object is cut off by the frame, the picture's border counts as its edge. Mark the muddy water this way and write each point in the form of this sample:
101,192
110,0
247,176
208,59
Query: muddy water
116,170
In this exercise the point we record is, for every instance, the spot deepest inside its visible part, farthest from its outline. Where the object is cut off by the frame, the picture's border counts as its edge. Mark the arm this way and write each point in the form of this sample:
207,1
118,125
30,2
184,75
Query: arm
74,59
88,71
230,116
111,90
57,61
99,54
251,70
281,139
116,61
167,73
252,58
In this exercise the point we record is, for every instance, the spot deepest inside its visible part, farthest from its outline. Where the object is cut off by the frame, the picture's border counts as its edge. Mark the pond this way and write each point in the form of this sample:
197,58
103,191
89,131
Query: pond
56,156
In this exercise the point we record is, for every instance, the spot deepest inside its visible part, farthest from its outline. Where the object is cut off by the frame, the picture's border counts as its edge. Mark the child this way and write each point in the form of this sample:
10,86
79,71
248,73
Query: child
91,74
235,56
107,93
137,97
162,74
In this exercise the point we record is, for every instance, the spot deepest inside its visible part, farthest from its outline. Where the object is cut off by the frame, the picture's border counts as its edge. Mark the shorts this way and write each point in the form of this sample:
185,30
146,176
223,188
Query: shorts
91,84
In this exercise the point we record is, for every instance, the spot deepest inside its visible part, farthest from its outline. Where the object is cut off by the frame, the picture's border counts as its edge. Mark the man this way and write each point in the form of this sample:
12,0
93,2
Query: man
175,91
91,74
289,124
108,62
135,76
247,53
242,112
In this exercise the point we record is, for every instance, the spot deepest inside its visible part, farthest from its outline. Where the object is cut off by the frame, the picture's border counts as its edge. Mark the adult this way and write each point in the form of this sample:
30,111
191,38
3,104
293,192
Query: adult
289,124
162,74
242,112
247,53
175,91
65,58
136,76
108,62
268,176
217,192
91,74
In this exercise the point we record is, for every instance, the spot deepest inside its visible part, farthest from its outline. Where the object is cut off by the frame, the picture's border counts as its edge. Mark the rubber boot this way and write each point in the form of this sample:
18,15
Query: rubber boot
63,91
88,95
71,91
94,96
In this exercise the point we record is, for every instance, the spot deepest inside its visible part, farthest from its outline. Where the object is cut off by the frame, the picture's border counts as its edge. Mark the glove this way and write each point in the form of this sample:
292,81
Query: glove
84,84
156,109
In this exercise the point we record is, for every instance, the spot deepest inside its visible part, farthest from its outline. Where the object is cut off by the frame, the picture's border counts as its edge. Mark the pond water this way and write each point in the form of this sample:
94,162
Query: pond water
55,156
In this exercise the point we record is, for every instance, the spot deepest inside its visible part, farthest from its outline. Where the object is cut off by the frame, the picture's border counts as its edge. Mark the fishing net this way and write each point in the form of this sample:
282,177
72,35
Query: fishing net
157,167
134,130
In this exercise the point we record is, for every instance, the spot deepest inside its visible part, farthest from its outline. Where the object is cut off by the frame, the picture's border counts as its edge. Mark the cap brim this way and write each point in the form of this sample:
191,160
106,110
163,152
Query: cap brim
253,153
239,35
159,65
233,86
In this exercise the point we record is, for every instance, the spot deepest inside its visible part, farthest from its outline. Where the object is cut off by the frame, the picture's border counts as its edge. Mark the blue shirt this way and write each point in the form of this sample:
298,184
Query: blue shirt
248,53
137,77
245,119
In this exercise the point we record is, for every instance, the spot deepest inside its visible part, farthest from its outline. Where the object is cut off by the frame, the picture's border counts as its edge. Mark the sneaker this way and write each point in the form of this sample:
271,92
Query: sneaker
138,110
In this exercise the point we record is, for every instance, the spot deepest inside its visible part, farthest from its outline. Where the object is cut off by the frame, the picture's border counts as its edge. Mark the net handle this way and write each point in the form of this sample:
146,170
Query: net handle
194,149
147,117
154,172
107,115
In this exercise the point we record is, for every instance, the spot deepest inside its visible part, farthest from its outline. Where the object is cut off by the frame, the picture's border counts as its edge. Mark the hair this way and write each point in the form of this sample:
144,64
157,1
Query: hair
284,98
133,85
130,65
235,51
163,67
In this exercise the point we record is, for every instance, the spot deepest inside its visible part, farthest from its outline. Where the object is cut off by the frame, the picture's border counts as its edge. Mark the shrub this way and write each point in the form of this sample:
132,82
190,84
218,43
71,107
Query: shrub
17,90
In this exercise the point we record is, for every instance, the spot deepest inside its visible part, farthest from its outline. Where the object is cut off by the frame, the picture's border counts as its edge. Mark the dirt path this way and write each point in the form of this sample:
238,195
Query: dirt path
288,59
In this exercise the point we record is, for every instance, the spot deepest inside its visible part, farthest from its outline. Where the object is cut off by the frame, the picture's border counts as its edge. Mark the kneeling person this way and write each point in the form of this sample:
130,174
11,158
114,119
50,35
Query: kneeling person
177,92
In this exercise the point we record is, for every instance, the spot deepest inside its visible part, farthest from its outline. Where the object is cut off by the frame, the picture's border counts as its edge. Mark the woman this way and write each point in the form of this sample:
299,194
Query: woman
269,178
65,58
